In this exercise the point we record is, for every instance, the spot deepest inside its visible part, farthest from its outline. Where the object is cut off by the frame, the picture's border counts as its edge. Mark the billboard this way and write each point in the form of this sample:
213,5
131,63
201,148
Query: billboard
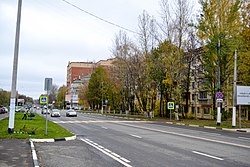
243,95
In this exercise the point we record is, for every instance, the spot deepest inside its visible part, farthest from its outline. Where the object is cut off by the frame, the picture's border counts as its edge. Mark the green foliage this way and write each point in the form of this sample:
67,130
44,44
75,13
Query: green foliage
219,21
98,88
60,100
34,128
4,98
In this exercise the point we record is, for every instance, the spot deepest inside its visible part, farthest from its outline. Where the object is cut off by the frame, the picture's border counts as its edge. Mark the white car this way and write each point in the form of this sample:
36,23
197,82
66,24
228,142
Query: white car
55,113
71,113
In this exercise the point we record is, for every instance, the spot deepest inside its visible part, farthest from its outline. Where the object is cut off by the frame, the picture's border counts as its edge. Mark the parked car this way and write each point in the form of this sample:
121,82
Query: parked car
2,110
6,109
71,113
55,113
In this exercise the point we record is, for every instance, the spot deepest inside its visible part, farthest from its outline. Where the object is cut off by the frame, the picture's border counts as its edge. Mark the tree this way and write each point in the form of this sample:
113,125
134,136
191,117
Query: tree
98,88
60,100
220,21
4,98
53,94
244,51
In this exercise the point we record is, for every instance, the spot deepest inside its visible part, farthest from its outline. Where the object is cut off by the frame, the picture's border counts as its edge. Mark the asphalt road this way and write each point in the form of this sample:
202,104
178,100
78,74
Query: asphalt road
107,141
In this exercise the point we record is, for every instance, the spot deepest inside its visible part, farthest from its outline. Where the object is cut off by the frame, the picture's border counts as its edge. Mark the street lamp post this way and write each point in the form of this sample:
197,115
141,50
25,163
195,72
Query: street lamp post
219,83
14,73
234,90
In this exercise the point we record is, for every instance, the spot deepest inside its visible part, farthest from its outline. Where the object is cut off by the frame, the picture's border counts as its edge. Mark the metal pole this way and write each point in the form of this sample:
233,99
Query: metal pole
234,90
14,73
239,116
102,98
46,128
219,84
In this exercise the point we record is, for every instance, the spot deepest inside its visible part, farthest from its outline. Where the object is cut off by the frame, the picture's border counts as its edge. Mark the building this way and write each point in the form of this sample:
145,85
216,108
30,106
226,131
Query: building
201,101
79,72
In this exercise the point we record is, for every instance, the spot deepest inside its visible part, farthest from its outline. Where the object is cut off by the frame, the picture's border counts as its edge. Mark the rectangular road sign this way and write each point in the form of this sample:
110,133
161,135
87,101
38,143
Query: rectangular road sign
243,95
43,99
48,84
170,105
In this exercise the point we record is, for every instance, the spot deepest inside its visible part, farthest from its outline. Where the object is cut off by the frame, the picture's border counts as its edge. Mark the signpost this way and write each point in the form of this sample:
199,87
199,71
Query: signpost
170,107
219,99
47,87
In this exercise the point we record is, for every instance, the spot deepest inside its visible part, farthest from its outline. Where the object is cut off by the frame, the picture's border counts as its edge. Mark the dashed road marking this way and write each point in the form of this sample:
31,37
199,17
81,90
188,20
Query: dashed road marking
245,138
207,155
136,136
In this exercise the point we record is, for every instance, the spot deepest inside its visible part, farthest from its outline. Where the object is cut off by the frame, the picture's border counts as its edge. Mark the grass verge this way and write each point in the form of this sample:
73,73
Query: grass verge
34,128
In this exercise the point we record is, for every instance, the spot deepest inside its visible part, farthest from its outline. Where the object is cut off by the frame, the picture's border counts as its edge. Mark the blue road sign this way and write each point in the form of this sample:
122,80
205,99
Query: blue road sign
170,105
219,95
43,99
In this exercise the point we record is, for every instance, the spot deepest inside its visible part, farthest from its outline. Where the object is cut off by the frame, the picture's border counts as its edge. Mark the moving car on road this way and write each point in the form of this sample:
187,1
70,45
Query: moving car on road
55,113
44,111
71,113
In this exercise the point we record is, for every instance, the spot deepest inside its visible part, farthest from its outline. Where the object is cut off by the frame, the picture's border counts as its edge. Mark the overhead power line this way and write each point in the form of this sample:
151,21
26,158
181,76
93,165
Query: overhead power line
97,17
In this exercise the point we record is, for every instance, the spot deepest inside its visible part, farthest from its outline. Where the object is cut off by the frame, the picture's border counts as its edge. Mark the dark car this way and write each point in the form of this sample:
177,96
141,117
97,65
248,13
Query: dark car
2,110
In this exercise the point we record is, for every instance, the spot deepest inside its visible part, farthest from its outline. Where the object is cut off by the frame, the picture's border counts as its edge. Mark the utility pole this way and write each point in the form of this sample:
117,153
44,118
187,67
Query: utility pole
14,73
219,84
234,92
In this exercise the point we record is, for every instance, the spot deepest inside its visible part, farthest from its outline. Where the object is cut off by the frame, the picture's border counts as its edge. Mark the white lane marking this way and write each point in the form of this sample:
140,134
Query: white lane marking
246,138
100,146
107,150
124,159
118,156
189,136
104,127
120,160
136,136
207,155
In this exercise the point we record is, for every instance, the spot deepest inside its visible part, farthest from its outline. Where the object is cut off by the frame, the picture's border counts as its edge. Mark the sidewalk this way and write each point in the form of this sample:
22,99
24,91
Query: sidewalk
15,152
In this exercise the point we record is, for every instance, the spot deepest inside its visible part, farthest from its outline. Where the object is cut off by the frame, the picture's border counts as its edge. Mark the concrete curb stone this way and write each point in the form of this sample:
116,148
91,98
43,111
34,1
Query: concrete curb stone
210,127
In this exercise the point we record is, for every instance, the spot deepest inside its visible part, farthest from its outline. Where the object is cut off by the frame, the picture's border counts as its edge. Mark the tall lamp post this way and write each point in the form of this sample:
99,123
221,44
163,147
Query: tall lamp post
14,73
219,83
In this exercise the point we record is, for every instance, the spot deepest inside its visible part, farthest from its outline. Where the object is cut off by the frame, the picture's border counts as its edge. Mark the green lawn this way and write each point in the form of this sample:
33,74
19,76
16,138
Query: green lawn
34,128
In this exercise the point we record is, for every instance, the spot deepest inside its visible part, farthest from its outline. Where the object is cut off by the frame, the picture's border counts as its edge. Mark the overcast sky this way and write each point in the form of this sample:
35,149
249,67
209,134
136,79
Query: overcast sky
54,33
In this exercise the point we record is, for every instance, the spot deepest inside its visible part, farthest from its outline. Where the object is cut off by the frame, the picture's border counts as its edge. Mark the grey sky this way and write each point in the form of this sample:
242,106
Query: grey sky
53,33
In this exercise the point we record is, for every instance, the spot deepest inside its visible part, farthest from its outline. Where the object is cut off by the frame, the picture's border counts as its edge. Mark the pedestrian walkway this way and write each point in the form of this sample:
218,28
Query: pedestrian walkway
15,152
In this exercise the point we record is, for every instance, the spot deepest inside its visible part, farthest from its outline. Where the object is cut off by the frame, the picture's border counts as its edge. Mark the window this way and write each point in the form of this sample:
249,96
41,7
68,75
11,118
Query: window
198,109
193,97
193,110
193,85
203,95
206,110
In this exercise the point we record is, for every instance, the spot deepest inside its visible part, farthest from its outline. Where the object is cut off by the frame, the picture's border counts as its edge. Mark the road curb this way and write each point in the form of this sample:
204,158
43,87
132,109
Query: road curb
34,156
208,127
53,140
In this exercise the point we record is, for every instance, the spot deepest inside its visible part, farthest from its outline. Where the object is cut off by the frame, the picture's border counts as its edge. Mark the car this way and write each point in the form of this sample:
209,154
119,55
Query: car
55,113
2,110
71,113
45,111
6,109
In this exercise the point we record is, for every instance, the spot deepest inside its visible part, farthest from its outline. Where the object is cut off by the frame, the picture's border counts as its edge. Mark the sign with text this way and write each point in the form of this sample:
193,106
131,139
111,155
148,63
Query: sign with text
243,95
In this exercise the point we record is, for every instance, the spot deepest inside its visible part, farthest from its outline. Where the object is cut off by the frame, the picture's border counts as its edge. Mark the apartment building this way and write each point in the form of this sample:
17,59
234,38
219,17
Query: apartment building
77,72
